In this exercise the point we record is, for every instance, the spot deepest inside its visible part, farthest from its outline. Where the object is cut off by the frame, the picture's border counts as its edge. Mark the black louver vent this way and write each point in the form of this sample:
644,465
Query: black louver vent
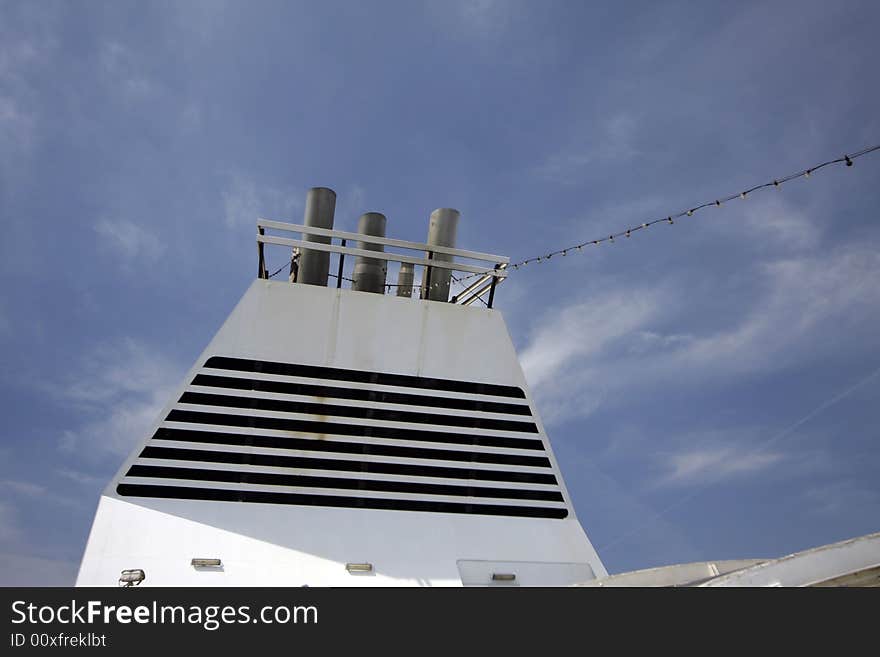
281,433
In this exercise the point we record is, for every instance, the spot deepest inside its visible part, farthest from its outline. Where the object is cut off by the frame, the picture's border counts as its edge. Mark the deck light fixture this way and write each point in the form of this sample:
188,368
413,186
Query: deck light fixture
359,567
131,577
216,563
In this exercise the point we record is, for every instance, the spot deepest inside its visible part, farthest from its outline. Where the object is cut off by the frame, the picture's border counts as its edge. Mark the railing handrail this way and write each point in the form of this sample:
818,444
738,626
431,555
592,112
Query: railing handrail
379,255
385,241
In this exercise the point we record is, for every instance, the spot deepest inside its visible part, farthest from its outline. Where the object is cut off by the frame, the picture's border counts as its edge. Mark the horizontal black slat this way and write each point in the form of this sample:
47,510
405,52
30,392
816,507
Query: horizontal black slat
312,463
318,445
276,479
312,390
336,428
302,499
359,412
358,376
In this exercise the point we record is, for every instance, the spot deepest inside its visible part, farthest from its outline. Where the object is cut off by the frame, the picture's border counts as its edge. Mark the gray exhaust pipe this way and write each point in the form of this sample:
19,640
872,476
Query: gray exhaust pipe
369,273
442,229
314,266
405,280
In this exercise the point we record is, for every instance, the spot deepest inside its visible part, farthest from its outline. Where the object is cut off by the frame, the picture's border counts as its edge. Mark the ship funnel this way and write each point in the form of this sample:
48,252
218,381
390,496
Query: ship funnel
442,228
405,280
369,273
314,266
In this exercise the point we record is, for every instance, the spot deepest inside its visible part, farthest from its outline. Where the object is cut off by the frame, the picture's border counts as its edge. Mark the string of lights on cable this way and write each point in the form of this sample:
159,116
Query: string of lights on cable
287,264
846,160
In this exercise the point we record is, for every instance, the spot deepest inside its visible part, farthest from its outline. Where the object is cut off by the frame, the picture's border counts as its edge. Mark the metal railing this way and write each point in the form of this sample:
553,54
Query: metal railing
486,277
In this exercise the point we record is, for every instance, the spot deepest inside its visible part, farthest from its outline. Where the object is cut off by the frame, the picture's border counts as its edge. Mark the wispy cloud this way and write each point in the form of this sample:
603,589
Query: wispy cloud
483,17
615,141
129,240
246,200
36,491
350,204
122,69
5,322
10,530
20,55
848,496
18,569
119,390
79,477
16,126
615,342
714,464
769,222
582,331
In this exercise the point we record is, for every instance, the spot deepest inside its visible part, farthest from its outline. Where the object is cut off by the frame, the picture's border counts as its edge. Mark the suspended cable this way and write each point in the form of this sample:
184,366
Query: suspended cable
670,218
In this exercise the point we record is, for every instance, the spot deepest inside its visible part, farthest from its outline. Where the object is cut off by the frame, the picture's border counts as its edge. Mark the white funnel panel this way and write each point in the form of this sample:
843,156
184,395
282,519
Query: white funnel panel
368,429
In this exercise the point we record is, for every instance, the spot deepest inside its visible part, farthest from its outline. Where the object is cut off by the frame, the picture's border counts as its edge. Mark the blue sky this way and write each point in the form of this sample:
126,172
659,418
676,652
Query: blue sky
711,388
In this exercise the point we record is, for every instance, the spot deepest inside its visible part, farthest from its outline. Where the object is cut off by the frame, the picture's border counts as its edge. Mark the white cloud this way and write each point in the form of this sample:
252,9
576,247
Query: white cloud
191,117
350,205
713,464
16,127
614,141
484,17
123,71
8,110
843,496
612,346
30,570
582,331
769,221
129,240
120,390
10,531
5,323
80,477
36,491
15,54
23,487
247,200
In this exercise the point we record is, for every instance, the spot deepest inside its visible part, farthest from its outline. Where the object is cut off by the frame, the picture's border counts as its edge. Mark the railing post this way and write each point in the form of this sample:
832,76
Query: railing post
492,289
426,288
261,266
339,272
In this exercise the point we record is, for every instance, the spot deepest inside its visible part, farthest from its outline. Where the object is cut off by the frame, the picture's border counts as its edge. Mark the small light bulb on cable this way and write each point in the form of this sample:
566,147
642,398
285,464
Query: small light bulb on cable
644,225
627,232
669,219
717,203
776,183
690,213
742,195
807,173
847,160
